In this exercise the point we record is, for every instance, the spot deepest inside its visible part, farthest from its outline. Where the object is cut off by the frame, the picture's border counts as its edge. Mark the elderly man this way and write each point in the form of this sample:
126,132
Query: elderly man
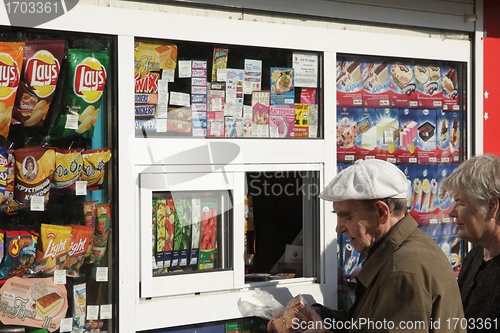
406,283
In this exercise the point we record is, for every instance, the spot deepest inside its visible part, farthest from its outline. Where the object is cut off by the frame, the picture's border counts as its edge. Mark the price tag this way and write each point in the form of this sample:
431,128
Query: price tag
81,187
101,274
60,276
66,325
71,121
92,312
106,311
37,203
161,125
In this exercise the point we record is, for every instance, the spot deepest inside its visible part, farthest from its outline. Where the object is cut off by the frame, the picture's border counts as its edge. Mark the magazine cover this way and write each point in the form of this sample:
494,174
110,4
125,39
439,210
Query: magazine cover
282,85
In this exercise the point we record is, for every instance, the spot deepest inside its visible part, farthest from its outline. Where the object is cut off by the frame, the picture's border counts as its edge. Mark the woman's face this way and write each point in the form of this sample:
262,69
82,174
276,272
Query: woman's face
471,220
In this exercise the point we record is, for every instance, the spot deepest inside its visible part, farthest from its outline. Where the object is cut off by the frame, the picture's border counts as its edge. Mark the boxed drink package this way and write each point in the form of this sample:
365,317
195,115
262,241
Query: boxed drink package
376,83
349,83
402,85
429,85
426,139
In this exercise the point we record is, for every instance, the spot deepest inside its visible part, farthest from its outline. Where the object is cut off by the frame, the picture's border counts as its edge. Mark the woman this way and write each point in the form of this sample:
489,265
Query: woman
475,188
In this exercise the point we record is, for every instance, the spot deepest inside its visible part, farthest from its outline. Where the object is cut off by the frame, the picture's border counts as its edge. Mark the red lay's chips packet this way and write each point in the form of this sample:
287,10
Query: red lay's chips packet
68,168
40,74
82,95
11,59
34,172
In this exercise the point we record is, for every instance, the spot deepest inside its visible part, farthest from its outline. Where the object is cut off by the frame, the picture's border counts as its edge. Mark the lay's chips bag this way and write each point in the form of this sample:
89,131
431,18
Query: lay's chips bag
40,74
86,76
11,59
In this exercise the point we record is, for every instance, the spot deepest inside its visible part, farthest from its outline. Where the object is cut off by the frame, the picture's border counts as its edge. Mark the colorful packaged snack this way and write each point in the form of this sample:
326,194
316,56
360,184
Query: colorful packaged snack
11,59
7,170
103,219
81,236
34,172
40,74
94,167
68,168
99,247
82,94
20,251
53,249
209,212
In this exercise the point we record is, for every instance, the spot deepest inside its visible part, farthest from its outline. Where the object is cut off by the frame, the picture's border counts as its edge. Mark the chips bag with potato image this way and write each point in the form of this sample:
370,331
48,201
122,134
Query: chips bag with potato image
11,59
40,75
86,76
34,173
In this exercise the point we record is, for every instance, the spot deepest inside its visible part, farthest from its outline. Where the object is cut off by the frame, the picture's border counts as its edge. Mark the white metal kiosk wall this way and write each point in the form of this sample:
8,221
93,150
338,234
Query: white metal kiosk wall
230,26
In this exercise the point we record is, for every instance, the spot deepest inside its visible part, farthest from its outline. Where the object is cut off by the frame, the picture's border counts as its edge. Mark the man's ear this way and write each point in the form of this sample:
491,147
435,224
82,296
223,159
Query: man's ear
382,211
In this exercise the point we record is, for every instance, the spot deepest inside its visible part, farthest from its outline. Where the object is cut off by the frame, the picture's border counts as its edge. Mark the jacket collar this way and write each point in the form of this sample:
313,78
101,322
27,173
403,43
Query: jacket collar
385,250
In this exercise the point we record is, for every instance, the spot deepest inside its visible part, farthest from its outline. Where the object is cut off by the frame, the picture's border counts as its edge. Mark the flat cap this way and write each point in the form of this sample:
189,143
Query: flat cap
366,180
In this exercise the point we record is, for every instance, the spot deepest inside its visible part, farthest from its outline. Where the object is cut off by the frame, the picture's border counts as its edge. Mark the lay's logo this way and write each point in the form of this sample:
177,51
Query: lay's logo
90,80
9,75
42,72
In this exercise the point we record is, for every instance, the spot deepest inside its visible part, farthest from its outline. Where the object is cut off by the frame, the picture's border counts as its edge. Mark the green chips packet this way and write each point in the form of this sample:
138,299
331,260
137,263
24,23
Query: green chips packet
86,75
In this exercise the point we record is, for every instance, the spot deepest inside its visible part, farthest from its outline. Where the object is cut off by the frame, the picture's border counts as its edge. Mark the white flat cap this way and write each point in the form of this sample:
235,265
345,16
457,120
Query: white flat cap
366,180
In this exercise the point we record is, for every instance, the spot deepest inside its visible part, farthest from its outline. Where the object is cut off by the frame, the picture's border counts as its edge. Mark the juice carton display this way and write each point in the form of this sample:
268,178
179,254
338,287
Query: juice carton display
349,83
366,141
387,131
347,133
376,84
402,85
425,208
208,253
448,136
426,139
429,85
450,86
408,133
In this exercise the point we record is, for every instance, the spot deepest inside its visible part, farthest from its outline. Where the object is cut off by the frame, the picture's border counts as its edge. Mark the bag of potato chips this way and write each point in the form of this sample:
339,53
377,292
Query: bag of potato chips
11,60
86,76
34,172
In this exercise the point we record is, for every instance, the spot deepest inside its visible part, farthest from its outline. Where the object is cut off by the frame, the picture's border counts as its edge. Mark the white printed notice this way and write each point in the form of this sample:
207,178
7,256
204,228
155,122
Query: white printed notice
305,67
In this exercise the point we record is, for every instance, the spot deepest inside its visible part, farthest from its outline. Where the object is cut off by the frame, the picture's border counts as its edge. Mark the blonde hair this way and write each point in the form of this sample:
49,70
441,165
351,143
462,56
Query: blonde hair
477,179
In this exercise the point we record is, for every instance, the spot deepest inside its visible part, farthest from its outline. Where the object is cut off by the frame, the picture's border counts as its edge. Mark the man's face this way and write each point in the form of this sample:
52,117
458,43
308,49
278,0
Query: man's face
470,219
359,222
